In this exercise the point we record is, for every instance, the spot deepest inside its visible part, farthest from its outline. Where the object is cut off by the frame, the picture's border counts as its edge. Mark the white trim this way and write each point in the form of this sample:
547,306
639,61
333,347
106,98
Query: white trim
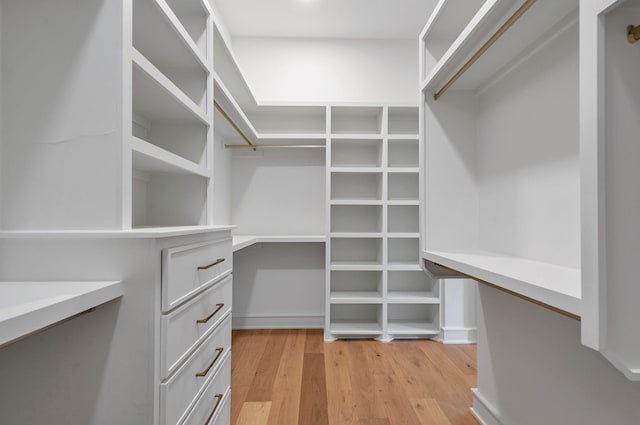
459,335
279,322
483,411
632,374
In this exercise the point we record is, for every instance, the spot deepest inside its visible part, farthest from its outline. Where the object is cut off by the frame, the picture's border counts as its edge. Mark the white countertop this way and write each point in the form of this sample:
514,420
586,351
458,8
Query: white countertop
27,307
243,241
143,232
554,285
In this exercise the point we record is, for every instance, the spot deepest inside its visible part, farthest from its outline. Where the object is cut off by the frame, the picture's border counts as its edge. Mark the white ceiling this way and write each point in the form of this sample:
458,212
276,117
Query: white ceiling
373,19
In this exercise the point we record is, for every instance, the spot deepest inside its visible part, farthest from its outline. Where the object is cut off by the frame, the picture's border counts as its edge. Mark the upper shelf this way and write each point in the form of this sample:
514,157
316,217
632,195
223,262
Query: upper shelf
556,286
28,307
242,241
542,22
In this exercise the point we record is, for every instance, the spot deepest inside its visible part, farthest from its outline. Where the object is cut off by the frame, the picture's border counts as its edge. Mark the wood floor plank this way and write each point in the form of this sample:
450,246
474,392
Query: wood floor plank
243,367
254,413
389,386
313,396
429,411
315,341
368,403
265,374
285,405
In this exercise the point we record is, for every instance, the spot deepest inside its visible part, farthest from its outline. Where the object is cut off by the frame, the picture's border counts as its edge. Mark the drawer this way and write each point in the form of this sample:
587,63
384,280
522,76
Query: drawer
180,391
185,328
188,269
213,406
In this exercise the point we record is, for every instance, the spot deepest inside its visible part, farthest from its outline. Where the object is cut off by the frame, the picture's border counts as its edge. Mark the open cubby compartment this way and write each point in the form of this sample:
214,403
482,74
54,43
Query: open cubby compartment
403,219
162,120
622,202
193,15
356,218
403,186
404,153
356,119
356,251
162,45
166,199
404,251
413,319
444,25
403,120
411,284
356,186
288,119
502,164
356,319
356,152
356,284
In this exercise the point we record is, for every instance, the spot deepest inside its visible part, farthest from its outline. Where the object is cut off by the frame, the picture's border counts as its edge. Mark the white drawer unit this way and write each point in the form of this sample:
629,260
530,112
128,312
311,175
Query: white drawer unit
189,269
185,328
213,406
178,393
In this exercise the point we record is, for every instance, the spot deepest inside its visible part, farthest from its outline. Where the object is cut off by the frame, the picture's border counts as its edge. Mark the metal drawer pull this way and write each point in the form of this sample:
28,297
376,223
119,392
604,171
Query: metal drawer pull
218,400
215,263
206,319
204,372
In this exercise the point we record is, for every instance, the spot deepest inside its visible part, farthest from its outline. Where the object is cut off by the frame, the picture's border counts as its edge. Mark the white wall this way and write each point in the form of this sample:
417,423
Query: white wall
532,369
279,285
332,71
278,192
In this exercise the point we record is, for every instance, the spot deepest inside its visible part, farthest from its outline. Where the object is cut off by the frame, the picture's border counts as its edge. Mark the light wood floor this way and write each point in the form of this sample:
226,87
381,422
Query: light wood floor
290,377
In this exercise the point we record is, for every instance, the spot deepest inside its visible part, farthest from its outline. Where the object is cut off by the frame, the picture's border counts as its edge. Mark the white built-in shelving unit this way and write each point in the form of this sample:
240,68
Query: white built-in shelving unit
521,191
376,287
502,165
129,112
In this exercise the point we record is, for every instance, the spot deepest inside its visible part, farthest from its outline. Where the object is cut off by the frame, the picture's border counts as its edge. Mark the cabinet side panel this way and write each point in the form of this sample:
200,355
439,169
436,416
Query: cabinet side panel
622,197
61,103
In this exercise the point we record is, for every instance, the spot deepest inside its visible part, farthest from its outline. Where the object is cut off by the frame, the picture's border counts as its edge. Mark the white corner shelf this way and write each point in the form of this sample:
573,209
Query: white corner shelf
555,286
539,22
29,307
151,158
157,27
156,97
242,241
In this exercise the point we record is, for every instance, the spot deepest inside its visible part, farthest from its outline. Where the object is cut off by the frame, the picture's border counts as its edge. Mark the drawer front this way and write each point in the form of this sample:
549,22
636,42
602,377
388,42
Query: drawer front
213,406
185,328
181,390
187,269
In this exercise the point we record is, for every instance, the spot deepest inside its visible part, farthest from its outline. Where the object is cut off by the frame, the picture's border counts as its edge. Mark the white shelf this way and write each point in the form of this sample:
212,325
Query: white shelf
556,286
158,29
403,170
356,328
356,169
355,297
403,235
28,307
151,158
157,98
242,241
408,266
412,328
403,202
138,233
371,202
353,235
356,266
401,137
535,25
412,297
356,136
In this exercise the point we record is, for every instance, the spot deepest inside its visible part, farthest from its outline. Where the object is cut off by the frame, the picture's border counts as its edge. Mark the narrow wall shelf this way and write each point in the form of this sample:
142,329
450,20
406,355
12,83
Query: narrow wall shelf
151,158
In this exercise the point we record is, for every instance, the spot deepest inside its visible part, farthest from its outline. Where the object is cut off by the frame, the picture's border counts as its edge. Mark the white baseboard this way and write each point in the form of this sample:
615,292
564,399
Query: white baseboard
483,411
459,335
278,322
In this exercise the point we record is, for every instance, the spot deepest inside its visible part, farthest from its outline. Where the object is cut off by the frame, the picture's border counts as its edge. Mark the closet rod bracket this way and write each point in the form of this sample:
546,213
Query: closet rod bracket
633,33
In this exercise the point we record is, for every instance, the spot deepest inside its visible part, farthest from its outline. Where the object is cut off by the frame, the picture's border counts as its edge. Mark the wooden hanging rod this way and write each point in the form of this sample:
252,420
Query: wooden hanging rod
254,147
633,33
233,124
512,20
